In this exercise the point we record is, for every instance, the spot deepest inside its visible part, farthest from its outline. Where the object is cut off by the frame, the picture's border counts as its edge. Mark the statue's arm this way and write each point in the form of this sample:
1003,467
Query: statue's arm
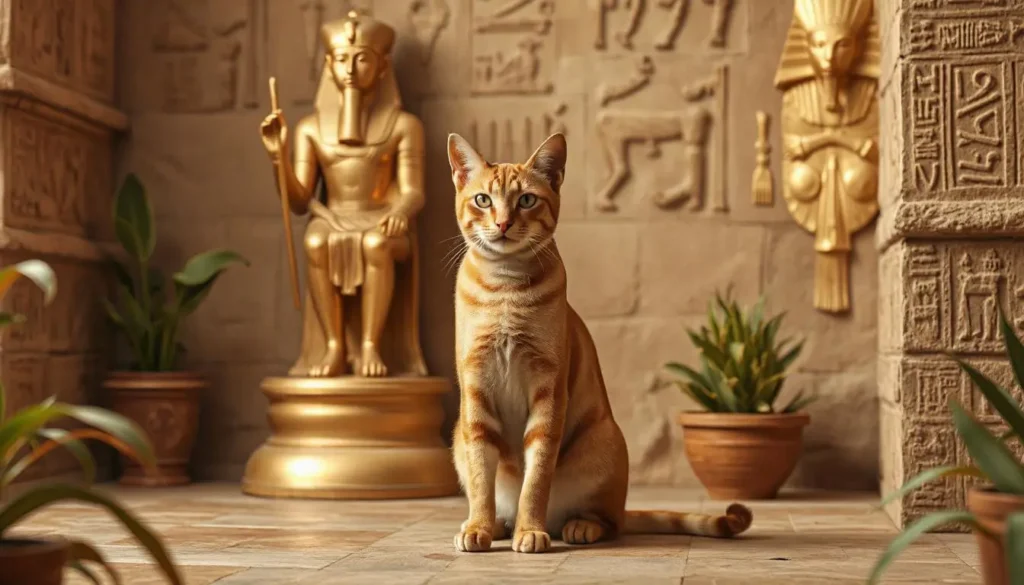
409,172
303,178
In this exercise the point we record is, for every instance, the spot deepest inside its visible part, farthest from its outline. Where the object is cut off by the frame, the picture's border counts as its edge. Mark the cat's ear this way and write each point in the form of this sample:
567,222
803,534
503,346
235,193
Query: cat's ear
549,160
464,160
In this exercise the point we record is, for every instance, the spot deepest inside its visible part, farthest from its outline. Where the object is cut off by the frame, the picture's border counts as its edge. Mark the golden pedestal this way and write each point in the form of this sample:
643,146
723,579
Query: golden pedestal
353,438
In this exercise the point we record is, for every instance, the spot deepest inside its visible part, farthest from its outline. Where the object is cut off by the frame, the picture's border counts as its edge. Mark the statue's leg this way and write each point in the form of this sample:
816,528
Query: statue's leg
380,253
325,301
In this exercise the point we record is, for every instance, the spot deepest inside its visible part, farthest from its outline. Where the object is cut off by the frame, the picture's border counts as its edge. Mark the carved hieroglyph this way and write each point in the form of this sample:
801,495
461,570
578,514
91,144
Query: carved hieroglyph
428,18
829,75
70,42
511,138
617,129
670,16
513,46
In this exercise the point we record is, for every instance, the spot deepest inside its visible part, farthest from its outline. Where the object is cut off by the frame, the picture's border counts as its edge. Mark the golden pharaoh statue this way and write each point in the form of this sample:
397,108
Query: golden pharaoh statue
357,416
829,75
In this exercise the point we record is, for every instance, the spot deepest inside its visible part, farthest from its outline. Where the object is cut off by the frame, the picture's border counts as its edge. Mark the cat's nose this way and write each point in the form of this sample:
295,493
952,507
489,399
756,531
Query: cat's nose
504,225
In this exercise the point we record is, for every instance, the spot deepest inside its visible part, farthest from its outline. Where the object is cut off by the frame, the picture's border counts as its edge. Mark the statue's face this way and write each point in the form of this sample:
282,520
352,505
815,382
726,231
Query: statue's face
356,67
833,50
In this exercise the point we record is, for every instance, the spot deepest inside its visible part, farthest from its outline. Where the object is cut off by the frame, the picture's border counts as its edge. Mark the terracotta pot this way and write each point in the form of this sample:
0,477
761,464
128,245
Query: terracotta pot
39,562
742,456
166,406
992,508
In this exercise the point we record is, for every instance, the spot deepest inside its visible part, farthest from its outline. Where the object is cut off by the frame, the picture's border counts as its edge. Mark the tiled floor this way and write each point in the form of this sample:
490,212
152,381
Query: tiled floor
220,536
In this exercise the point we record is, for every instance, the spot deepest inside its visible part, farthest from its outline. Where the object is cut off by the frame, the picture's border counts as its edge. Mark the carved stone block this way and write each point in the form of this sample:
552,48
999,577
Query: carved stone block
926,446
673,26
69,42
58,176
952,292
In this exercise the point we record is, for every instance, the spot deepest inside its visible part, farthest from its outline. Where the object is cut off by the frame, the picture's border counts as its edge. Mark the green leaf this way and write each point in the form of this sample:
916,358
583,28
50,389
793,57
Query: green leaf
1014,552
37,271
80,551
133,219
120,427
990,454
61,437
799,402
912,533
999,398
1014,351
930,476
197,277
10,318
787,359
122,275
3,416
44,495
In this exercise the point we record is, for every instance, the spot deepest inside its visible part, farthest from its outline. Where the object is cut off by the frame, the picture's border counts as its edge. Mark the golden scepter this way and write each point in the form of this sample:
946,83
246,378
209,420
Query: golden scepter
282,186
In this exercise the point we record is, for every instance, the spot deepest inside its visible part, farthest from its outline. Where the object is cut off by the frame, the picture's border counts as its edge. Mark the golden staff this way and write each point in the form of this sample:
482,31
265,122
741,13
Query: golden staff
282,186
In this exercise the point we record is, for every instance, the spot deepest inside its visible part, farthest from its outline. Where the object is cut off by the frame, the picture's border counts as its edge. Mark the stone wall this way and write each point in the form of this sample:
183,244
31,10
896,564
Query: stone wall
57,126
631,92
950,216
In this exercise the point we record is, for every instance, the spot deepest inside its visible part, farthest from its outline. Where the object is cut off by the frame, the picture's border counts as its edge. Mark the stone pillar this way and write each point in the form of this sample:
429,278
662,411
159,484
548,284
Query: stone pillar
56,127
949,230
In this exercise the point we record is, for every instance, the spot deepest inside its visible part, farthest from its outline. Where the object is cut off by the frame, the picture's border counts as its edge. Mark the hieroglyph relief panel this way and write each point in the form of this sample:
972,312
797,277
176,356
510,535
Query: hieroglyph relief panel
70,42
668,25
697,123
954,291
514,46
926,387
961,115
58,176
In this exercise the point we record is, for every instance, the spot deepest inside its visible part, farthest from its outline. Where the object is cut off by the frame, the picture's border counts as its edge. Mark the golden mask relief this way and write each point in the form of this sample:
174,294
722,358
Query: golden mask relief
828,74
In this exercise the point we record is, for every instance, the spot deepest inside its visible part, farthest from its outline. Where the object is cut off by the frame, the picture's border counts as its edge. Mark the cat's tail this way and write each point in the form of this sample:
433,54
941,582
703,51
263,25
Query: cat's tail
737,519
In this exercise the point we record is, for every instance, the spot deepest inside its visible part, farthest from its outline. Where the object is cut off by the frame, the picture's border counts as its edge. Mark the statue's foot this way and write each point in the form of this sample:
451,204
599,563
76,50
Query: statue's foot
373,366
332,364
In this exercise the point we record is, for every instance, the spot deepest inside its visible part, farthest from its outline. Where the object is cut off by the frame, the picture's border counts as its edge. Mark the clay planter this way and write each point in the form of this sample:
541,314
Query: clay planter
992,508
39,562
166,406
742,456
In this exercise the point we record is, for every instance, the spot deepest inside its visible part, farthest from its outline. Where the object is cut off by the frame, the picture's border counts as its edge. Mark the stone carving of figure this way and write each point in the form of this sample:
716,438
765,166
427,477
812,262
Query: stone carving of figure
356,168
829,75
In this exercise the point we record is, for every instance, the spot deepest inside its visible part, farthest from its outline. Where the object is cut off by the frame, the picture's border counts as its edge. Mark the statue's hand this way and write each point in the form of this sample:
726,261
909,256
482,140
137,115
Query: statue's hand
793,147
274,132
394,224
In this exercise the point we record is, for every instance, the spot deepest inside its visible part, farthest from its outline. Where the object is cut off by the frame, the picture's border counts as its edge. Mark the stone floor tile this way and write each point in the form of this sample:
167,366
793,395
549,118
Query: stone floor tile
219,535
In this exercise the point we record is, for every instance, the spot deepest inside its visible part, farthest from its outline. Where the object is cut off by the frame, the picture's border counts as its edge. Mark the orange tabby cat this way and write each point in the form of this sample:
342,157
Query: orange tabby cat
536,448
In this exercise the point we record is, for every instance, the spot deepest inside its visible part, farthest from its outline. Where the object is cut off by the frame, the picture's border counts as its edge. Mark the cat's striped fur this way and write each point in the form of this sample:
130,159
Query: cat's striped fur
536,448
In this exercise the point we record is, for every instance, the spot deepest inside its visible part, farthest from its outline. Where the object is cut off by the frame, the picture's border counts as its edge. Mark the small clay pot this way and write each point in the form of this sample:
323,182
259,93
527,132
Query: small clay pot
742,456
166,406
991,509
39,562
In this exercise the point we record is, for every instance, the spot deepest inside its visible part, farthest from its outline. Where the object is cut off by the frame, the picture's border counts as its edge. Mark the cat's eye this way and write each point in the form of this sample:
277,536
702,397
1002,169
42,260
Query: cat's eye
527,200
482,201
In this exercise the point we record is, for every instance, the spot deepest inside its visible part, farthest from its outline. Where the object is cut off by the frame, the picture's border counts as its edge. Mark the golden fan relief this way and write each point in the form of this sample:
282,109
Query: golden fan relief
828,74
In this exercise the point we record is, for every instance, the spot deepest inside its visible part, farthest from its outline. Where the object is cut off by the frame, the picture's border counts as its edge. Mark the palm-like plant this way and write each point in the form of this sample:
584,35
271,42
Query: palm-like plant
25,437
993,462
743,367
148,312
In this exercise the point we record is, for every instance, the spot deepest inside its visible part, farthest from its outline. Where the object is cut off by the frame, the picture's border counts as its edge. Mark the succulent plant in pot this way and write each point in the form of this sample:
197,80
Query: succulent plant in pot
149,312
995,504
25,437
742,446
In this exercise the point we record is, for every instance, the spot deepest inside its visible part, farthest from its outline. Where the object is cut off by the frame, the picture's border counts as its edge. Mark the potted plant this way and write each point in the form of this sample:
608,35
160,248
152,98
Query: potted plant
742,447
149,311
25,437
995,504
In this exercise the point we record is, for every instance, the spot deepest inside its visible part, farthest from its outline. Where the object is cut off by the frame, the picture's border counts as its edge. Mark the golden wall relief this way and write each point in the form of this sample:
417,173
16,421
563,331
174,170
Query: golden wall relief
828,74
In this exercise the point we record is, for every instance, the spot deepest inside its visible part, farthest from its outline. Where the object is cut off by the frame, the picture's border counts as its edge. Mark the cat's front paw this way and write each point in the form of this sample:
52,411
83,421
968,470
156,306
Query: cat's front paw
531,541
471,539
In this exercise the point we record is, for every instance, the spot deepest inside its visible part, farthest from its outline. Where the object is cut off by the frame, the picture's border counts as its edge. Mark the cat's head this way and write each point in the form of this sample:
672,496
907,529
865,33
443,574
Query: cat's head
507,209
